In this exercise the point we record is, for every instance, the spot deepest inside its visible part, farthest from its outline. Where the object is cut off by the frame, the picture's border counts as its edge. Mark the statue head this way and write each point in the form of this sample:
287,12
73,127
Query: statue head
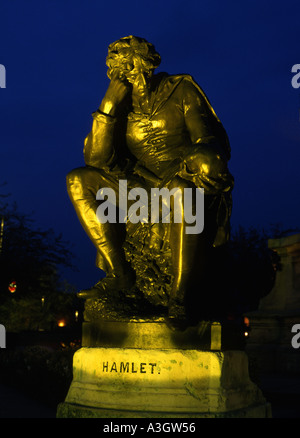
130,55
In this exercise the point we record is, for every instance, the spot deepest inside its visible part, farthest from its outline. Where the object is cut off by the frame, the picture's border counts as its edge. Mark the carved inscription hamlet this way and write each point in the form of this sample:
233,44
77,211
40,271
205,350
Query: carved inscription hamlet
130,367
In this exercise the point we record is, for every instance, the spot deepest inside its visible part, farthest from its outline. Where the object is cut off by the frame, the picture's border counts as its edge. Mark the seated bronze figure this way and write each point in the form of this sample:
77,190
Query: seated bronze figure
152,130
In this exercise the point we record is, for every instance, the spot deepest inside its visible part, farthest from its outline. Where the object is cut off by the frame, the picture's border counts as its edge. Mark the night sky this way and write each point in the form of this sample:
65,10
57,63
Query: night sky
240,53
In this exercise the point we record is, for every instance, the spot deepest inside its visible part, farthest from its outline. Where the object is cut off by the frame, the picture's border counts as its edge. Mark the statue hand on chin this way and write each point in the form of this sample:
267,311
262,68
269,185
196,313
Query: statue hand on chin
115,95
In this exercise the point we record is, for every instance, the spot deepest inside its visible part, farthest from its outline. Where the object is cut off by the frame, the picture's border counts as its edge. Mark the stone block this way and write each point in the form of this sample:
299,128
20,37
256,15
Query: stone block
174,383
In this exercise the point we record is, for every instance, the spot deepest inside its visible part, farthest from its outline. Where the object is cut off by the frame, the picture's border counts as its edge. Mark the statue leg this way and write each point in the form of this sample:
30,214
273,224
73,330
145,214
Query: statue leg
189,260
82,185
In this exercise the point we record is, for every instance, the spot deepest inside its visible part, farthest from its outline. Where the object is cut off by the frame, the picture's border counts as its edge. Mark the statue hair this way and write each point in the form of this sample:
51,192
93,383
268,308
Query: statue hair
122,52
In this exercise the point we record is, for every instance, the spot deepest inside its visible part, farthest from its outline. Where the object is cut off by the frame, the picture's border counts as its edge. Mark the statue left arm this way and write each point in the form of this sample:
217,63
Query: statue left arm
206,163
201,121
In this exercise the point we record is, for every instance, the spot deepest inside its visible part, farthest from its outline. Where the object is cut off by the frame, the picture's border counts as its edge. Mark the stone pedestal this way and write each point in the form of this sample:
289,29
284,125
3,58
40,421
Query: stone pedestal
146,370
271,325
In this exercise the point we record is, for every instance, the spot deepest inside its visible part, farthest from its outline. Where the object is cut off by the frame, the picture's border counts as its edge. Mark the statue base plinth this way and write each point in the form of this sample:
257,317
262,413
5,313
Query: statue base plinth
168,382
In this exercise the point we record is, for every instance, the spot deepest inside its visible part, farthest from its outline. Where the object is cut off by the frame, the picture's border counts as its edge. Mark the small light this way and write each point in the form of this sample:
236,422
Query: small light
246,334
61,323
246,321
12,287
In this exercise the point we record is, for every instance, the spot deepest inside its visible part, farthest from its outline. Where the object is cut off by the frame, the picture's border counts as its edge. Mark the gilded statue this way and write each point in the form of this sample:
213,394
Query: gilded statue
152,130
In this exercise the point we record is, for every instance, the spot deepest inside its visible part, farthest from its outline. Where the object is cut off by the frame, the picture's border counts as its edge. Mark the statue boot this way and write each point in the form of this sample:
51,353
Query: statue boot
107,237
120,277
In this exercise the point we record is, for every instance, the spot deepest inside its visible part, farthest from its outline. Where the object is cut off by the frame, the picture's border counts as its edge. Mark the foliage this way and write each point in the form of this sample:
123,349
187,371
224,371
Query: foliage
42,373
241,273
29,255
31,313
32,257
252,265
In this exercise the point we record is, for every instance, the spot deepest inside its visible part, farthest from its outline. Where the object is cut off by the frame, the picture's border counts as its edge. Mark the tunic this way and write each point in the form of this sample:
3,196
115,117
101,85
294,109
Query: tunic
178,134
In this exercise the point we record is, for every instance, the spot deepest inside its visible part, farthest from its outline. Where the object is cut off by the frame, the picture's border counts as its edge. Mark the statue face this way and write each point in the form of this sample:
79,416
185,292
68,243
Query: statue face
137,75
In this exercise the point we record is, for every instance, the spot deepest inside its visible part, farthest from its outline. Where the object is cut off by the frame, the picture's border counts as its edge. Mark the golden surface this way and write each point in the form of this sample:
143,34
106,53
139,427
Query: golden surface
154,130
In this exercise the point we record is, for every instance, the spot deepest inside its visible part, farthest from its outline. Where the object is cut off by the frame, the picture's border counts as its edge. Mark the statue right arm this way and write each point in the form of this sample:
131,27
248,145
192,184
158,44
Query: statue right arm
99,150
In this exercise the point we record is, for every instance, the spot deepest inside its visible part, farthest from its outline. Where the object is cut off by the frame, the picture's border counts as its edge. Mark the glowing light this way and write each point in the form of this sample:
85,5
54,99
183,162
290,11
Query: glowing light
61,323
246,321
12,287
246,334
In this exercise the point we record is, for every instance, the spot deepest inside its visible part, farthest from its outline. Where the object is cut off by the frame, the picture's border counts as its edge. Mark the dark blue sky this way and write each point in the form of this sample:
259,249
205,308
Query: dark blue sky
240,53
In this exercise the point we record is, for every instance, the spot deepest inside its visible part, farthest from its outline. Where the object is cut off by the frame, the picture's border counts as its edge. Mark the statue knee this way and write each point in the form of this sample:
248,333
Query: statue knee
76,175
77,181
81,176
